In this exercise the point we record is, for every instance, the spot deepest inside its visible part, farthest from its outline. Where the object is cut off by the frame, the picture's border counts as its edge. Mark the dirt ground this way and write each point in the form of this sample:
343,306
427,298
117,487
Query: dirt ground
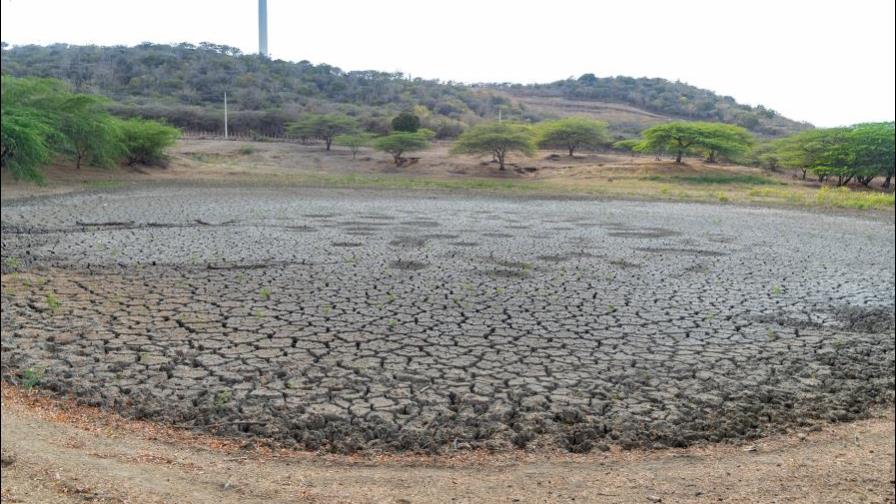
267,163
54,451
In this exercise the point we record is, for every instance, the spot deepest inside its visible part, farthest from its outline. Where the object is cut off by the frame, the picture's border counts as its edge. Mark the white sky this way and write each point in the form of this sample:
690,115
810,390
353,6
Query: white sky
826,62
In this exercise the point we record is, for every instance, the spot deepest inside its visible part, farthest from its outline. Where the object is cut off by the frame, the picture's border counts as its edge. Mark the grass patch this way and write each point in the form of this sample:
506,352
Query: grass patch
103,184
716,179
829,197
842,197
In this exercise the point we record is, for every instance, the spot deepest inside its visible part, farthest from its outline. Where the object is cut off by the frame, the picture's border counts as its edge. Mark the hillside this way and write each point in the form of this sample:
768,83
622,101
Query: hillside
185,84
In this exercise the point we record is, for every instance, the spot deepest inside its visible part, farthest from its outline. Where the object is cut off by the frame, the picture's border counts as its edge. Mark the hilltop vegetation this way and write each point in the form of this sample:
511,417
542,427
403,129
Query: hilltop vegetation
666,98
185,84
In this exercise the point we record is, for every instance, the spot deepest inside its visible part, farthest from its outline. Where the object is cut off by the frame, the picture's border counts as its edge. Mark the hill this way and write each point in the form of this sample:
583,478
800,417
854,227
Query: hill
185,84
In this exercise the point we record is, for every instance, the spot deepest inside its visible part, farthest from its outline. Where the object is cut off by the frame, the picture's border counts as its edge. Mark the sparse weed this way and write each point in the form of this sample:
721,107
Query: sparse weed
222,398
53,302
12,263
32,377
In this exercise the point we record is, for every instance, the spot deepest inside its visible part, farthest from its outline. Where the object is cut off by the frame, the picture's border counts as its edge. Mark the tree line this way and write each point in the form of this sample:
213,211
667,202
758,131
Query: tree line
42,119
860,152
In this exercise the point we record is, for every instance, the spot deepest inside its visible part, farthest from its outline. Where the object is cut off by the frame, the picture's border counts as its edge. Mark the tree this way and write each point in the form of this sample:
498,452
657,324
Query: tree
874,151
826,152
800,150
765,155
628,145
679,137
145,141
323,126
684,137
724,140
571,134
27,132
354,141
400,142
406,121
496,138
89,133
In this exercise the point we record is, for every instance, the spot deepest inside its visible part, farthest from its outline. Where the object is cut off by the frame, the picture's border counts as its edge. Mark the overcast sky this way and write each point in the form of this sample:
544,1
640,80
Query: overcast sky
829,63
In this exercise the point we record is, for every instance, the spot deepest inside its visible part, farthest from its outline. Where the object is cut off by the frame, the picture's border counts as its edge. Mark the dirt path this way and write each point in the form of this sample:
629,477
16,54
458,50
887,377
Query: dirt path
54,451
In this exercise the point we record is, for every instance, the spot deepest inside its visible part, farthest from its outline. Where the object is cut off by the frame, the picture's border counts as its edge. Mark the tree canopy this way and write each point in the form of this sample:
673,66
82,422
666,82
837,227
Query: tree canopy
323,126
497,139
401,142
702,138
354,141
571,134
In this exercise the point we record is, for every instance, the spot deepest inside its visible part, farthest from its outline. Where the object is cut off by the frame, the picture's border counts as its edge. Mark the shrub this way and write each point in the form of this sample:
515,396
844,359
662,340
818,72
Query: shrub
406,121
145,141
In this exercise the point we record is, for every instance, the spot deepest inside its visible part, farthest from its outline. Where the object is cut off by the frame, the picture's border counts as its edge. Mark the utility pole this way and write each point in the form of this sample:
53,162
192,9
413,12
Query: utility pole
499,114
225,115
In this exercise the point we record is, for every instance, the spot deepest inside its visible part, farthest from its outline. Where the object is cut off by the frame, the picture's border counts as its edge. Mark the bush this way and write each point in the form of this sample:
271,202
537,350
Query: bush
145,141
406,121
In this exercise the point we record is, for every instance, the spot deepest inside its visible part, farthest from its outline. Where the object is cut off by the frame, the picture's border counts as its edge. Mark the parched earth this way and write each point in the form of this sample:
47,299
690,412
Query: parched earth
349,320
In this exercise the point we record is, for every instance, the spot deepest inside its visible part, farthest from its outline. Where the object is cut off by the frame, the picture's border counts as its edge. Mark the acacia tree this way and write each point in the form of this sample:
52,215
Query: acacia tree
825,152
571,134
684,137
89,132
874,151
354,141
497,139
724,140
400,142
323,126
27,127
800,150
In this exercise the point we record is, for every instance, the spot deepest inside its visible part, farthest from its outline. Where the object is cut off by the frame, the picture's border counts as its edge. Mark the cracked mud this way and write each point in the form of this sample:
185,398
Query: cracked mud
352,320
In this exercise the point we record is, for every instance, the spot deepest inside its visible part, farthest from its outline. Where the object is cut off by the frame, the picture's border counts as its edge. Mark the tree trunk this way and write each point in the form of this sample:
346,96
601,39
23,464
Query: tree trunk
887,181
78,161
804,172
572,150
712,157
397,158
500,156
328,140
678,156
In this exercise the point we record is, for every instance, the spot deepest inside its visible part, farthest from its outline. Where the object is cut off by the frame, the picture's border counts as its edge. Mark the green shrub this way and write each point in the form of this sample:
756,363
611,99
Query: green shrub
145,141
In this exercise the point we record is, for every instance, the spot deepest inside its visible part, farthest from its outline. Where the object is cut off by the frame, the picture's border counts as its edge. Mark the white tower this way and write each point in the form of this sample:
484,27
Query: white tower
263,28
